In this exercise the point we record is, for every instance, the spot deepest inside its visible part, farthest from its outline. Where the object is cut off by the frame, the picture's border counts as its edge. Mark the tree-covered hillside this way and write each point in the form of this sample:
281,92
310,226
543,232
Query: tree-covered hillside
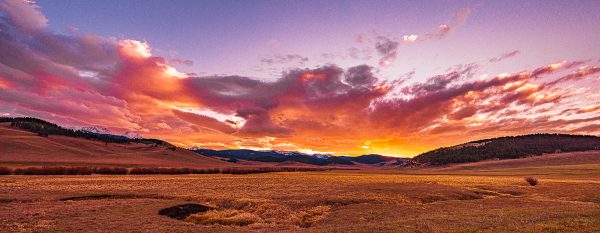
44,129
509,148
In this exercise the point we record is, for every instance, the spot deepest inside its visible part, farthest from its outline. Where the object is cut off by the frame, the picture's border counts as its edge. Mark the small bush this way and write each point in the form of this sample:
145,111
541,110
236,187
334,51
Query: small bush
531,181
111,170
5,171
144,171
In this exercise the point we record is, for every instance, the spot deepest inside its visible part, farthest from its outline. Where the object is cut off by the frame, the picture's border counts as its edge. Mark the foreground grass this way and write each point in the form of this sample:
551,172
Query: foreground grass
565,200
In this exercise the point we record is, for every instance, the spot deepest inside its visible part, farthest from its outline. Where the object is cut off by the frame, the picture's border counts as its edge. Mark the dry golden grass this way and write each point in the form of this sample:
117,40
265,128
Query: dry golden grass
565,200
489,196
225,217
259,213
19,148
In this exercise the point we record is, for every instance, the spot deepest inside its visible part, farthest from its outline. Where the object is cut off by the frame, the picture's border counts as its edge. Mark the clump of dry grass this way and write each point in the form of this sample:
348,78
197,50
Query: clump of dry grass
313,215
5,171
225,217
246,211
531,181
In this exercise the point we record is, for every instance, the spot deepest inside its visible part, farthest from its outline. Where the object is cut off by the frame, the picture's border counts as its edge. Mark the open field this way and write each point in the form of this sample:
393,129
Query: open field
494,200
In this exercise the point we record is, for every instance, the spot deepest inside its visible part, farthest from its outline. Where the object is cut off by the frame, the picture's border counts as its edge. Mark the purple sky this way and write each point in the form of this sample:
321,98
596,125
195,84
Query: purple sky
232,37
343,77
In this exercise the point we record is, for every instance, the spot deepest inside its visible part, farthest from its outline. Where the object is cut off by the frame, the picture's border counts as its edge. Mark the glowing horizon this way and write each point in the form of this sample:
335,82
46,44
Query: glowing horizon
412,78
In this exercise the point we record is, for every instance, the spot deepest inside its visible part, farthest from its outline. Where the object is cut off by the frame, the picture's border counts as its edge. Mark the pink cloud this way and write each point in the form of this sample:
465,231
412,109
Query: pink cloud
505,56
24,14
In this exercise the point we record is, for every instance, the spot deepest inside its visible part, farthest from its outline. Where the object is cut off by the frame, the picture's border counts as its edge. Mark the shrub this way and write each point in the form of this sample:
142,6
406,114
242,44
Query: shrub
111,170
5,171
149,171
161,170
143,171
532,181
53,171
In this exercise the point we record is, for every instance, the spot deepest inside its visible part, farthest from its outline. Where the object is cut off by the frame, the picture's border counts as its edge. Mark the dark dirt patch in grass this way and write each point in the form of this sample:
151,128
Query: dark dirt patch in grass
486,193
11,200
180,212
464,196
6,200
590,199
342,202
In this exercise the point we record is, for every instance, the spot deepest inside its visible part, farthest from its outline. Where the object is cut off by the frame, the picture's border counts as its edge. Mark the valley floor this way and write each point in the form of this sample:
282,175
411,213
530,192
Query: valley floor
567,199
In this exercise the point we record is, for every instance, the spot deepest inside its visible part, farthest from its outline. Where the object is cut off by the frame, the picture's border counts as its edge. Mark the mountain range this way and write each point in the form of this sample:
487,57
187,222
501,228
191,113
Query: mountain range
314,159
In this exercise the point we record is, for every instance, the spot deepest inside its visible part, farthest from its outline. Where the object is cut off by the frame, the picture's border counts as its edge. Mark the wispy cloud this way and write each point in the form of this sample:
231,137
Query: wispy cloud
388,47
293,59
505,56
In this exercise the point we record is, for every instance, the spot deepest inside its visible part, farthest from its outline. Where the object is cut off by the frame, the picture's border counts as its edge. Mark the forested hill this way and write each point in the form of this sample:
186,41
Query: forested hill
509,148
44,129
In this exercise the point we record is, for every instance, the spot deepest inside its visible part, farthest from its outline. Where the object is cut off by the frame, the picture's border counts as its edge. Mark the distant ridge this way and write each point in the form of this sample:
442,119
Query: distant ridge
314,159
510,147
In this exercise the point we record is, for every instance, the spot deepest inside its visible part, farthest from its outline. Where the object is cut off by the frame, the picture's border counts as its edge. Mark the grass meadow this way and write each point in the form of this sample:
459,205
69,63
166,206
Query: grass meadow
566,199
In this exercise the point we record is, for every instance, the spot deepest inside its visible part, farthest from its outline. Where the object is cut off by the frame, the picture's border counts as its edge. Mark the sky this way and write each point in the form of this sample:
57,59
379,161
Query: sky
342,77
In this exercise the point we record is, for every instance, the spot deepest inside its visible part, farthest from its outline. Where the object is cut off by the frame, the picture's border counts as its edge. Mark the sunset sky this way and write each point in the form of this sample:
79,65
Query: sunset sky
343,77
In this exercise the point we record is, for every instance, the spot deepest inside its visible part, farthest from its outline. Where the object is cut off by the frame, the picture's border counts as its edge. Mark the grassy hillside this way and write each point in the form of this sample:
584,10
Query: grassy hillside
550,160
44,129
20,148
509,148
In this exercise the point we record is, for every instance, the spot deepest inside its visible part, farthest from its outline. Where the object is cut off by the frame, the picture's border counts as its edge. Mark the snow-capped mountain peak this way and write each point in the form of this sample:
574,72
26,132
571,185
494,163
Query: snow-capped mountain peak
132,135
95,129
